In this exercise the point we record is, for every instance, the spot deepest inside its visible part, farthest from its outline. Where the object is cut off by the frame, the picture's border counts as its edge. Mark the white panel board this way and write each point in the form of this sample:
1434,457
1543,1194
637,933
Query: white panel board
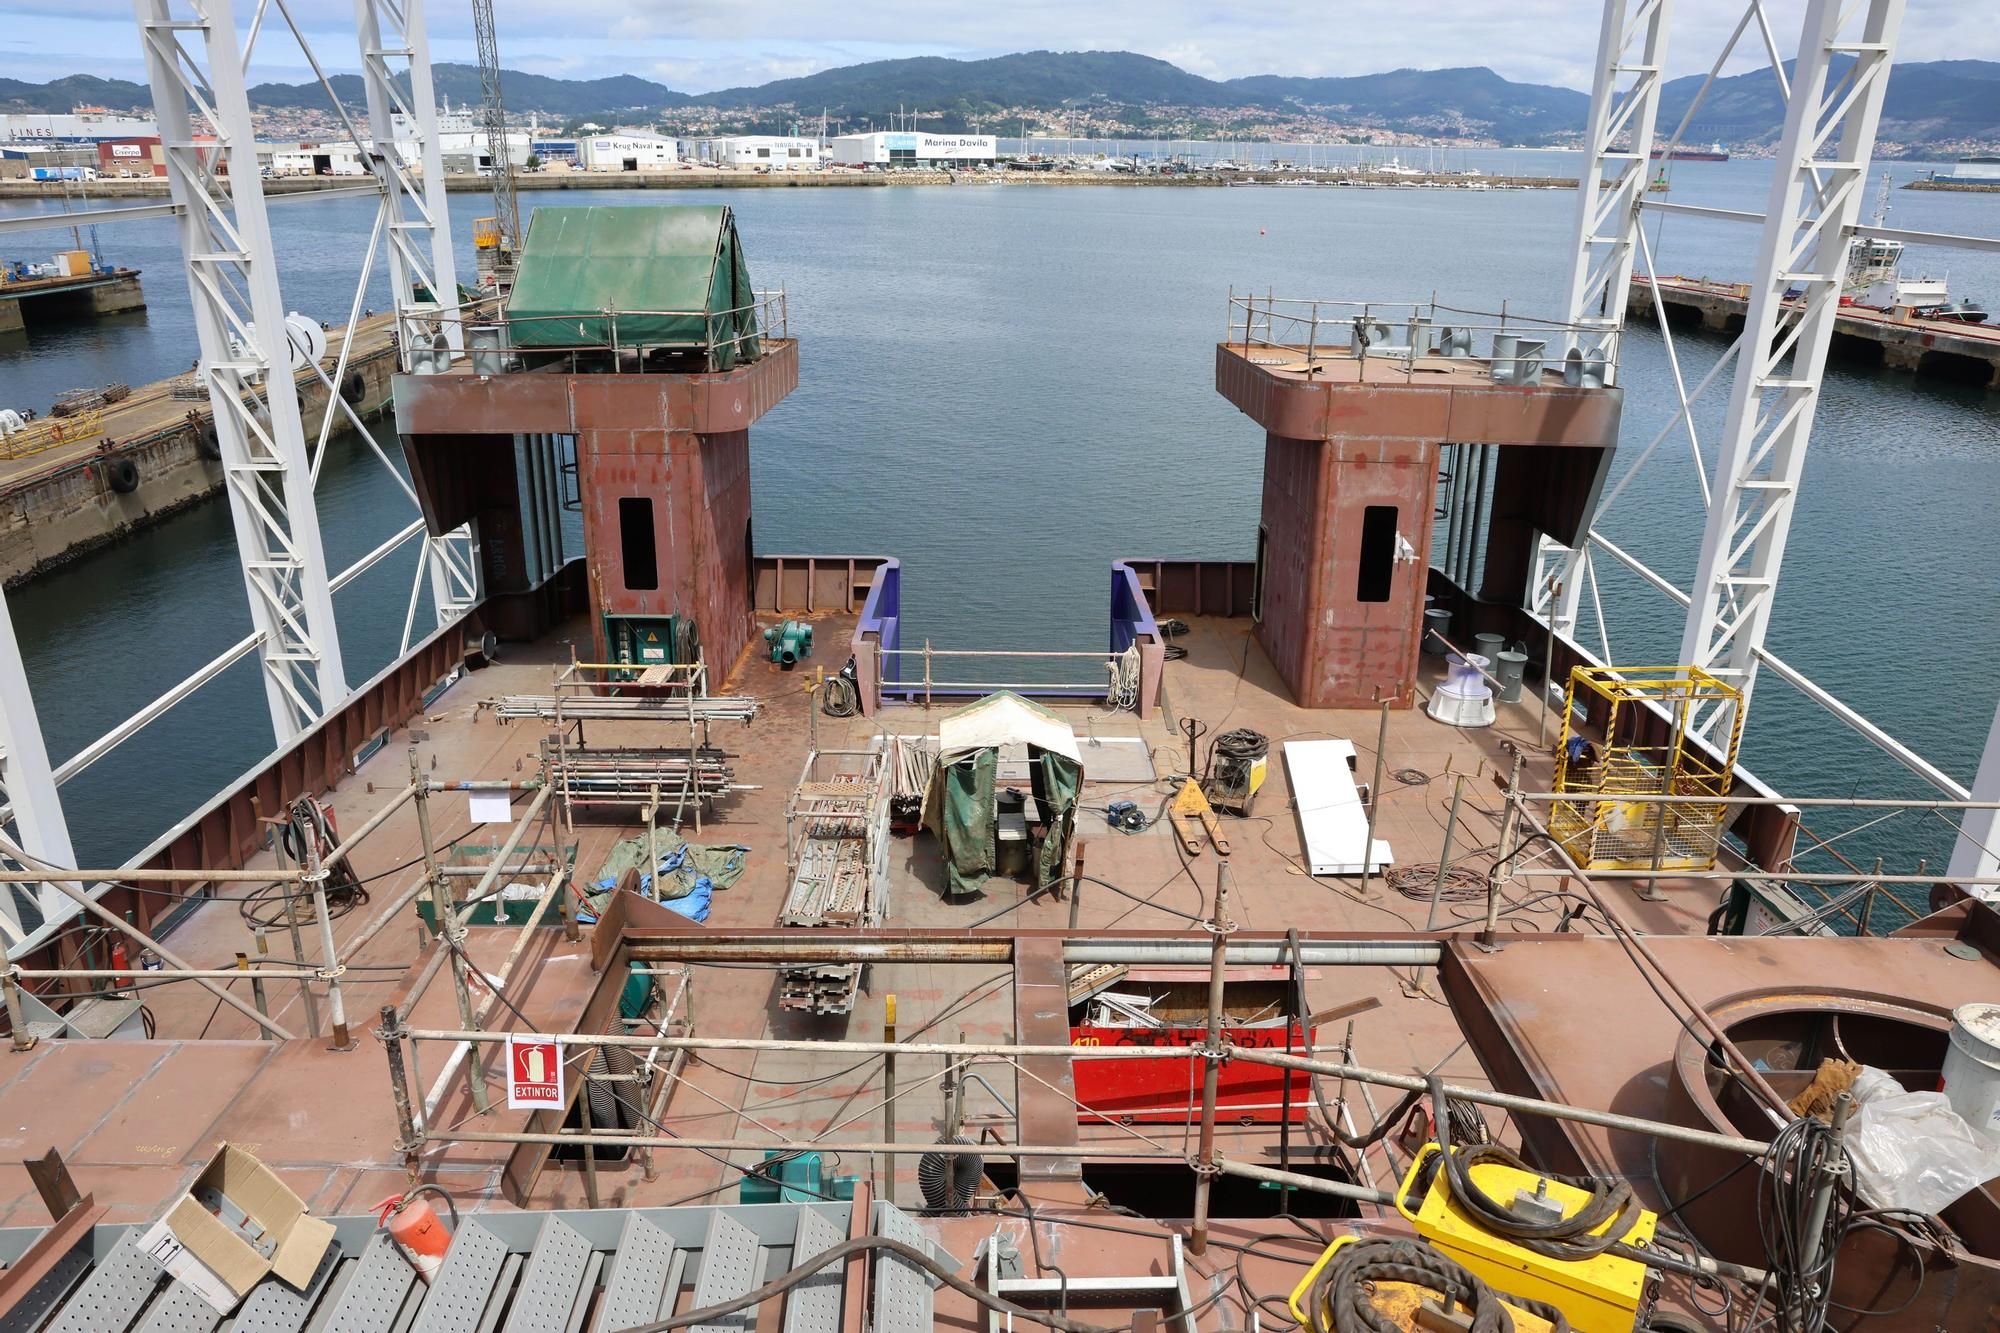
1333,824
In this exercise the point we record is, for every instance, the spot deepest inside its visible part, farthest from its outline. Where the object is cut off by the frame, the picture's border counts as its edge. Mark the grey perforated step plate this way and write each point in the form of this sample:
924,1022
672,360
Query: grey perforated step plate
638,1286
902,1290
549,1284
274,1307
114,1293
814,1305
730,1259
459,1294
375,1289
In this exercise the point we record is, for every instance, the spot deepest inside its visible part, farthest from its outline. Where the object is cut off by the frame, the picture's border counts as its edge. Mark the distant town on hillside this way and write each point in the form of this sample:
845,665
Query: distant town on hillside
1934,109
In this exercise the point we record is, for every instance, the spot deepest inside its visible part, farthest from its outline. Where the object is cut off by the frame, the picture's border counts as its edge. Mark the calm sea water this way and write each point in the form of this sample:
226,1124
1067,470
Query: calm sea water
1009,387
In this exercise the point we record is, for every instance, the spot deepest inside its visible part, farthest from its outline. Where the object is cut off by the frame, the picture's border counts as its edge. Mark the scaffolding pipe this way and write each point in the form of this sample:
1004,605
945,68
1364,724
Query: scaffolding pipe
1213,1050
1346,953
1089,1152
448,927
1841,802
168,956
149,875
330,970
1253,1055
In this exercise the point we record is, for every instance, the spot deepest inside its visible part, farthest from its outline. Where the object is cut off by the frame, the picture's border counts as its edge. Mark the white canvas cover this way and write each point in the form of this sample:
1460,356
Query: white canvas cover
1005,719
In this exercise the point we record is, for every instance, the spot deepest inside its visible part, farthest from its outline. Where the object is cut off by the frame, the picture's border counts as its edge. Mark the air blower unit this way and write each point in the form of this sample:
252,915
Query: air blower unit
1464,700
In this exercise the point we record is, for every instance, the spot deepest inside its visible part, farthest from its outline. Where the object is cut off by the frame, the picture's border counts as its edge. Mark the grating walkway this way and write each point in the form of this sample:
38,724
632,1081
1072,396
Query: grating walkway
554,1272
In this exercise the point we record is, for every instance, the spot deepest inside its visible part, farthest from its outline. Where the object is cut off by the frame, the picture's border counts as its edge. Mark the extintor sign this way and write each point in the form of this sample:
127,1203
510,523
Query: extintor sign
534,1073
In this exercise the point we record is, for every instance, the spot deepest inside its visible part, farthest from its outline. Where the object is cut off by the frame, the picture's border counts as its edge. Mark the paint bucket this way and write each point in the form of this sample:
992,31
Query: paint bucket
1970,1079
1437,628
1509,667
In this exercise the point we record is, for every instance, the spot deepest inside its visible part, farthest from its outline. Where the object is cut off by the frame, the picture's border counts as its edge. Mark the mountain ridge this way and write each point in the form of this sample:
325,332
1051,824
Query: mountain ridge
1944,103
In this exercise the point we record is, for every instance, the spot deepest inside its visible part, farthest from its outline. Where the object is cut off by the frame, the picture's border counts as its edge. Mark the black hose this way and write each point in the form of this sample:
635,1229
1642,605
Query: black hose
1572,1237
1341,1298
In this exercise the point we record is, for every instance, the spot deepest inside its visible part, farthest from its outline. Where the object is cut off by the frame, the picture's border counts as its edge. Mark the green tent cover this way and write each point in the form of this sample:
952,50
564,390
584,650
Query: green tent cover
681,267
959,804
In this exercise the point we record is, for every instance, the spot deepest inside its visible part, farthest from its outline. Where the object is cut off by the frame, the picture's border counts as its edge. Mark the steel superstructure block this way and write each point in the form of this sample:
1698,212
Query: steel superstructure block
1846,48
196,67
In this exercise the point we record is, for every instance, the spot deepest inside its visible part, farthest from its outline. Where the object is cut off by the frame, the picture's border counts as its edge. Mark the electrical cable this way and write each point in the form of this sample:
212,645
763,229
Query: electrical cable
1341,1298
1583,1234
804,1269
1801,1230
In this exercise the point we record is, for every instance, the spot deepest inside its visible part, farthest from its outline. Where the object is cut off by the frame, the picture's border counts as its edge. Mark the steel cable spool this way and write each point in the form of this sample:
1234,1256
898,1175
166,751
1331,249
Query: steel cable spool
949,1180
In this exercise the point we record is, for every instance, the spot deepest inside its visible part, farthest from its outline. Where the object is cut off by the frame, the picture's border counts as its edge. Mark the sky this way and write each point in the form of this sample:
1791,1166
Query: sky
701,45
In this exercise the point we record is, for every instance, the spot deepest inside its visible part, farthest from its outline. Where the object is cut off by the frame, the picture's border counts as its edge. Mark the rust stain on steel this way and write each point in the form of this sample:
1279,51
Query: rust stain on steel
1046,1089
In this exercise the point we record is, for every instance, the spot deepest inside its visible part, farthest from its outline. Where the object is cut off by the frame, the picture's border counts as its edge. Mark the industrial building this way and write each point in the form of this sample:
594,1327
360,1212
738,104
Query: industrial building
770,152
140,156
627,152
901,148
86,125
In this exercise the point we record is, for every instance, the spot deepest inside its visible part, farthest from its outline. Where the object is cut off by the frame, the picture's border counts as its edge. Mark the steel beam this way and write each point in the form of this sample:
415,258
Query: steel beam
423,268
1618,146
196,69
28,785
1976,853
1821,171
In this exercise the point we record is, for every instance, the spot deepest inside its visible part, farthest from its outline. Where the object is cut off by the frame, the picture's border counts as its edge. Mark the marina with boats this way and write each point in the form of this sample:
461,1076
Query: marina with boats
674,934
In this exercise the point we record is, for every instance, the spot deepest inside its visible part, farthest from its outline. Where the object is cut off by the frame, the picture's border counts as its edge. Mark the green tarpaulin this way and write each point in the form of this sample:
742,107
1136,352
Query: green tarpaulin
644,276
959,805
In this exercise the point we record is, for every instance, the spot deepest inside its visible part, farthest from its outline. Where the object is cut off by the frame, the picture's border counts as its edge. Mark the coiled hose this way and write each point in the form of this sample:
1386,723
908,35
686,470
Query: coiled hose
1341,1300
1568,1238
839,695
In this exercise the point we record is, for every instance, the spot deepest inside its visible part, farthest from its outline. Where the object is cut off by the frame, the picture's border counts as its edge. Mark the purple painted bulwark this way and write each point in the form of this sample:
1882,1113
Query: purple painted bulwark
878,636
1132,623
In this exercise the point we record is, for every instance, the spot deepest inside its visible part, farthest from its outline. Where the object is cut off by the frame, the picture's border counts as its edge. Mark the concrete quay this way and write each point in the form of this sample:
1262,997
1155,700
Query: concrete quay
72,484
1939,349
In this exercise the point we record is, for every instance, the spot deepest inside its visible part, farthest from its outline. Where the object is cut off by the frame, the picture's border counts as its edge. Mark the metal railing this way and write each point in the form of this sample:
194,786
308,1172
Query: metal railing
487,334
1421,335
923,688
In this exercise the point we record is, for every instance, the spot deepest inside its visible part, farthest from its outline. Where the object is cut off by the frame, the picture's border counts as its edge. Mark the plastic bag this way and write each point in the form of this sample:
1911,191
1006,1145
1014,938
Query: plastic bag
1911,1149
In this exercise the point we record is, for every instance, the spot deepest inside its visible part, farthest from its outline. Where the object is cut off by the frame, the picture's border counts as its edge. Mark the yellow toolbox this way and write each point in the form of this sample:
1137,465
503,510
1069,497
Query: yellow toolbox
1600,1295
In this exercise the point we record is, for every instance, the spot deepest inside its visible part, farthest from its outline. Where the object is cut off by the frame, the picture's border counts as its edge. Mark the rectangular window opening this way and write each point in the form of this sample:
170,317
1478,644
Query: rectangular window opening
635,543
1378,554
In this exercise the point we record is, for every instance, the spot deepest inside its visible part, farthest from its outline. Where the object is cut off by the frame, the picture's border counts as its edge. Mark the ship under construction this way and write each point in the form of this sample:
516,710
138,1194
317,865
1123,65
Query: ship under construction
669,939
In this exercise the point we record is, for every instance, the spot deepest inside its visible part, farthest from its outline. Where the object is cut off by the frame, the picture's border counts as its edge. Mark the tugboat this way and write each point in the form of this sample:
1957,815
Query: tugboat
1874,283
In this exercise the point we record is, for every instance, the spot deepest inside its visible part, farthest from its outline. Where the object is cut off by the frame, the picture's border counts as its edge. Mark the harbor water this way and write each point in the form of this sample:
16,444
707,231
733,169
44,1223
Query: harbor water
1008,387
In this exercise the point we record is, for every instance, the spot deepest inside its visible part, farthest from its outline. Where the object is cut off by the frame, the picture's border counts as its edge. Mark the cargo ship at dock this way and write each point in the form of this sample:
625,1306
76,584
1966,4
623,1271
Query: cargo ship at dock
672,936
1713,153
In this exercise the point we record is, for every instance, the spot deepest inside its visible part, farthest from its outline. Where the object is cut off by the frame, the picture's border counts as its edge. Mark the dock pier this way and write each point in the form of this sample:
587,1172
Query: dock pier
1962,353
82,296
71,484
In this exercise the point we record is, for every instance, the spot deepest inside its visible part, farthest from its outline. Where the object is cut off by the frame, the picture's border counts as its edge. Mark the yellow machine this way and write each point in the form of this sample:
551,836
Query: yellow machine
1600,1295
1397,1302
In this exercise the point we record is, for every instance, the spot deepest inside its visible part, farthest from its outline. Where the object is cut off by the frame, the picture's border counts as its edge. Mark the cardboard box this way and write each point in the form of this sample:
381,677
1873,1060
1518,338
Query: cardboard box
236,1224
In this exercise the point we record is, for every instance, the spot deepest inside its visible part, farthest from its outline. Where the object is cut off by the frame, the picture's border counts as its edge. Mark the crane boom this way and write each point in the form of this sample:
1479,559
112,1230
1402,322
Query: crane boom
506,210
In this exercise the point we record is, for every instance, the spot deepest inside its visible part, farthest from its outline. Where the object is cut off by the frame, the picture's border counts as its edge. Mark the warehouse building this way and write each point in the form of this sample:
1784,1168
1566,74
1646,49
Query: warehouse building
627,152
901,148
771,152
141,156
